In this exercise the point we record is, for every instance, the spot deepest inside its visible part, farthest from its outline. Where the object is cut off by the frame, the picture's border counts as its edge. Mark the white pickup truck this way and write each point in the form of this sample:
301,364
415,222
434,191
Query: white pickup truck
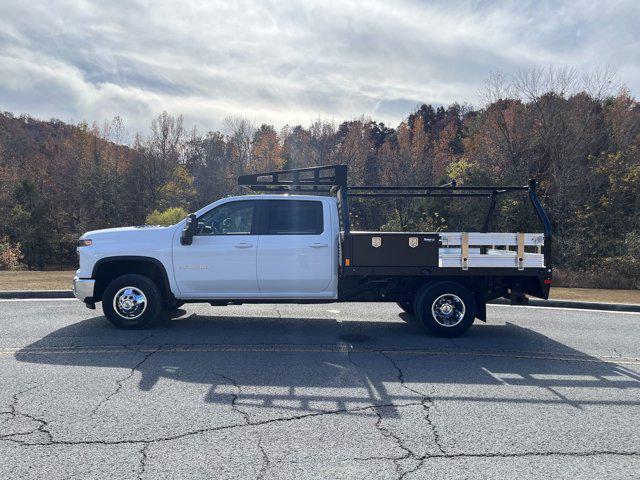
285,246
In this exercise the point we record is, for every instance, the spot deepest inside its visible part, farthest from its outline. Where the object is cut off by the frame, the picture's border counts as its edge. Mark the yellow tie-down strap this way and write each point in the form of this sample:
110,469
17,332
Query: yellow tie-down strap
464,250
520,256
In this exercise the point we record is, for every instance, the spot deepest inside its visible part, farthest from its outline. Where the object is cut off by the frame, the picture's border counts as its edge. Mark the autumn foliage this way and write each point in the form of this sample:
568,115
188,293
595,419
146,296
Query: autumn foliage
59,180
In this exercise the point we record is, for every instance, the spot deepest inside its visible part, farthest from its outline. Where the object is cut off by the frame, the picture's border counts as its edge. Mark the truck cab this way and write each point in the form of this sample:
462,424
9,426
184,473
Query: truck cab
260,247
250,247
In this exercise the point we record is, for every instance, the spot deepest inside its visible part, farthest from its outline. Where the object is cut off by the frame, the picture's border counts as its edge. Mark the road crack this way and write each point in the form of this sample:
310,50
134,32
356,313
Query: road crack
120,382
266,462
235,396
427,404
409,454
453,456
388,433
426,401
143,460
42,425
179,436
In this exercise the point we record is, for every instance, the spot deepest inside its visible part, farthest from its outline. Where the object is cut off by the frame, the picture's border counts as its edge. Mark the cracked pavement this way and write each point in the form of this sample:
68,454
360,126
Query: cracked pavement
317,391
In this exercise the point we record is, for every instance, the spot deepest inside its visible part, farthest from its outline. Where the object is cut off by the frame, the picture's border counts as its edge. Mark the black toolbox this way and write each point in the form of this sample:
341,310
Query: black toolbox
393,249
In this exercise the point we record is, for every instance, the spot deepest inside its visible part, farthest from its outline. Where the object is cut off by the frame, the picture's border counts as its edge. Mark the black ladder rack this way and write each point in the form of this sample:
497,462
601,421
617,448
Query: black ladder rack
332,179
313,179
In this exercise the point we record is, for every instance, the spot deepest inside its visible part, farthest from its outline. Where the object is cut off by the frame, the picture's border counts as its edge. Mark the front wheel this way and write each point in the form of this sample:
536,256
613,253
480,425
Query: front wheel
132,302
446,309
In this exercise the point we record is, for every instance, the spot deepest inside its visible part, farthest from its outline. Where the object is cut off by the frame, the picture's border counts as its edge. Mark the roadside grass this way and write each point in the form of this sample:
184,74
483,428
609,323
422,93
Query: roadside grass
32,280
596,295
62,280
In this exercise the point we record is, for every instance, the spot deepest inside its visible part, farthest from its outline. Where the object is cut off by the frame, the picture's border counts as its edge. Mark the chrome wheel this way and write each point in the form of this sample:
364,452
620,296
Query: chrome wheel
129,302
448,310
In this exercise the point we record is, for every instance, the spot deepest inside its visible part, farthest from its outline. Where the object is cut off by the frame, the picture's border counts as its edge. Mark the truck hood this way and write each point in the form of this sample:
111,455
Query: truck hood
140,239
135,231
149,242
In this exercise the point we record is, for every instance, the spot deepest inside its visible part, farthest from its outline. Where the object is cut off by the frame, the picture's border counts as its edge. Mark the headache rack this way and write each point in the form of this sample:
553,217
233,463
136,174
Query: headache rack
459,249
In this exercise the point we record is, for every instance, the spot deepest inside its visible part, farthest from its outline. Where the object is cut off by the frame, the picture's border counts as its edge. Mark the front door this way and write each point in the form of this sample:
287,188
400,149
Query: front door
221,261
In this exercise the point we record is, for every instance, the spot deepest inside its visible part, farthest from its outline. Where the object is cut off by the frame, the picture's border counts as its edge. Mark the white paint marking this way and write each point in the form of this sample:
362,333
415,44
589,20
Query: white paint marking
38,299
563,308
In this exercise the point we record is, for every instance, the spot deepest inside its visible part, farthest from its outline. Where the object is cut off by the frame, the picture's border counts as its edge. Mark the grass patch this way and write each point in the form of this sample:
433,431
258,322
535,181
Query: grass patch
596,295
31,280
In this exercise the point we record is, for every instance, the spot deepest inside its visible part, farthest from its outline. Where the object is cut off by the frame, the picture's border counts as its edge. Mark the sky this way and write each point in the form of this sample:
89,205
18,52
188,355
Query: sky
290,62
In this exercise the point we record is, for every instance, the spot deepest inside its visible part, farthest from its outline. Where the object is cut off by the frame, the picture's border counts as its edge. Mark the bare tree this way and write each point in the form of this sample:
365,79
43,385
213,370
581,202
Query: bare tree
240,132
162,152
497,87
601,83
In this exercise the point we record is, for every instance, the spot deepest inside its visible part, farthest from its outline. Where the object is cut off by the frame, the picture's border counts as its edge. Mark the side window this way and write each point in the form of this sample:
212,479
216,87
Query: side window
233,218
294,217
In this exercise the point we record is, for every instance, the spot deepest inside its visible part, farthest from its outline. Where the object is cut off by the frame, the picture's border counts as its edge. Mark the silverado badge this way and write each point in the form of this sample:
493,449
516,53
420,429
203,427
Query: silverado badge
376,241
413,242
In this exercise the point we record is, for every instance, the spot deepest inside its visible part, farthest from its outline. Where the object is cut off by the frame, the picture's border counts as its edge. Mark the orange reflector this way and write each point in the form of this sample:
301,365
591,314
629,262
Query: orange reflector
347,262
547,281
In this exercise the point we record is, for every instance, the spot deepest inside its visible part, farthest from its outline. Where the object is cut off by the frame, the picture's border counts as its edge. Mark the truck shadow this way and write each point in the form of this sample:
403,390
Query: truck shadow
320,364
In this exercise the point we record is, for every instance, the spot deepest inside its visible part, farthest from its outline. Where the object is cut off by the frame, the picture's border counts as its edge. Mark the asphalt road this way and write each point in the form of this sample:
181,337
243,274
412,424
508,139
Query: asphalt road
320,391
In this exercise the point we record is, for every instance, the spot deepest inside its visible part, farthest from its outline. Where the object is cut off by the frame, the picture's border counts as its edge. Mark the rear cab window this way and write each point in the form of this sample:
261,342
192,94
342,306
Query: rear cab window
293,217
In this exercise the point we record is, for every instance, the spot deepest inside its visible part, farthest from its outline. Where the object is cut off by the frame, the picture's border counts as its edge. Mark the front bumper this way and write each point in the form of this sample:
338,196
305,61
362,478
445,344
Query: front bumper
83,289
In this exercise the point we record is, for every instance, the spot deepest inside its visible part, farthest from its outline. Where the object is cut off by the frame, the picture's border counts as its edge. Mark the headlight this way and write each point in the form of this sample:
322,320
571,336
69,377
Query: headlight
85,242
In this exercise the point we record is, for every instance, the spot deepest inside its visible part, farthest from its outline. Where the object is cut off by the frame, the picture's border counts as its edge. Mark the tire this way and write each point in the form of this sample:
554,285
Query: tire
407,306
446,309
132,302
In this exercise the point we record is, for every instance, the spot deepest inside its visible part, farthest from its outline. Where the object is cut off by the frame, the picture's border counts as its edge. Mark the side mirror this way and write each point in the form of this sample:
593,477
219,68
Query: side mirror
189,230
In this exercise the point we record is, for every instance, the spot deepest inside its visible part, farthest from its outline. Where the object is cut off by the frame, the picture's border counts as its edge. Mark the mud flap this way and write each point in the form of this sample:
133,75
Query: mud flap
535,286
480,295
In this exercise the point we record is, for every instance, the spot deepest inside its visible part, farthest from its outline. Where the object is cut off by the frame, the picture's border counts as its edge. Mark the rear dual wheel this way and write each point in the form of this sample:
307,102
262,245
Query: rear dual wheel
446,309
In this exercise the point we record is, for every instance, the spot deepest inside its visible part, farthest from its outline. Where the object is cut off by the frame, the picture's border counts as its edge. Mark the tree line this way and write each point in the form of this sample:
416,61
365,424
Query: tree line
578,136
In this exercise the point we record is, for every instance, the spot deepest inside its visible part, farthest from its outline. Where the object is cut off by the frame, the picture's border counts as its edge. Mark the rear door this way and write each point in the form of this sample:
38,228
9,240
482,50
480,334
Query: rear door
295,258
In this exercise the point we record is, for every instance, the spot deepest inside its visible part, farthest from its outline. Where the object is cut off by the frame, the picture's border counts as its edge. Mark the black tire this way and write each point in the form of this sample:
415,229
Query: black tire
446,309
134,285
407,306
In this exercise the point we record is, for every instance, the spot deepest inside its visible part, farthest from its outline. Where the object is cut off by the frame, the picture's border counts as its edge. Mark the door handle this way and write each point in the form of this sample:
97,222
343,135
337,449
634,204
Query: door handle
319,245
243,245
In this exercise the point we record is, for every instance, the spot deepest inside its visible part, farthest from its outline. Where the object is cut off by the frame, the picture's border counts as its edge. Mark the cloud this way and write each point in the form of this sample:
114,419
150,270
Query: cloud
289,62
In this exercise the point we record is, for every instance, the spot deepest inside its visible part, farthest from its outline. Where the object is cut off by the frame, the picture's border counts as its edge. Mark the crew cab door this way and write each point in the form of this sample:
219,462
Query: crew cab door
295,250
221,261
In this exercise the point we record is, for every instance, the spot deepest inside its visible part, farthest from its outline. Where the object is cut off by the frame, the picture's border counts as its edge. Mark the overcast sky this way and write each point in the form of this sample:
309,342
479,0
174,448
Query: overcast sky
290,61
